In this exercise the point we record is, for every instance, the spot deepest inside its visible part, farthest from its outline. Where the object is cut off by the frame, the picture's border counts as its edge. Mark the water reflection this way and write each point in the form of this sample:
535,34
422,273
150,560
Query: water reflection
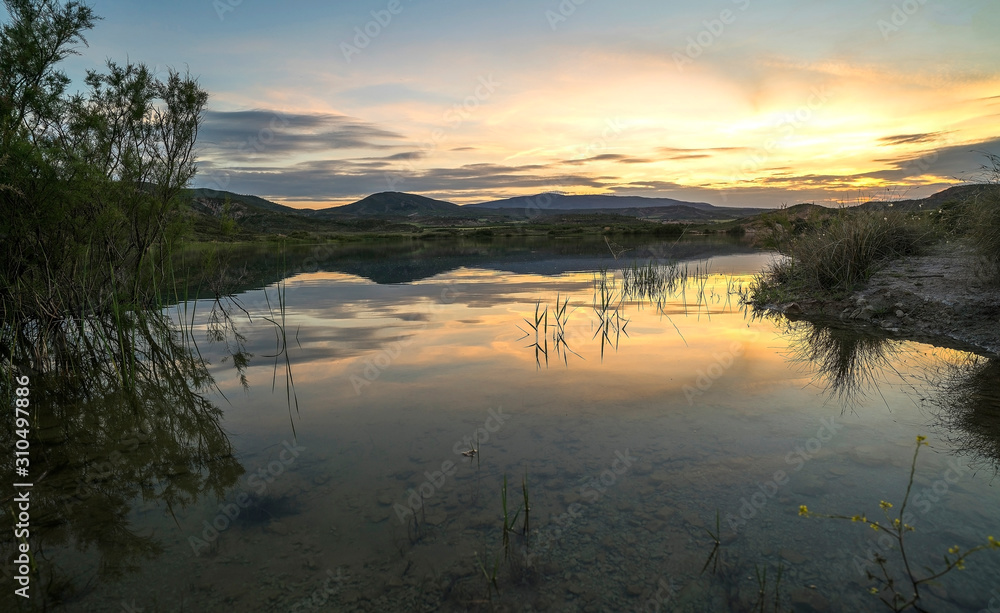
853,365
400,382
121,424
850,362
970,399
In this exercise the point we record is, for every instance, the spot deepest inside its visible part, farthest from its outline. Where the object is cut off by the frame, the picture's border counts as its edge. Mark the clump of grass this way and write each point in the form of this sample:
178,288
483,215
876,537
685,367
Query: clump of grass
836,254
983,216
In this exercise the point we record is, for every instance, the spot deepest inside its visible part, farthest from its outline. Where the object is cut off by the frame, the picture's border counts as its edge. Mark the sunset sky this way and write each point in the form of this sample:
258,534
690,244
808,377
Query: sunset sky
736,103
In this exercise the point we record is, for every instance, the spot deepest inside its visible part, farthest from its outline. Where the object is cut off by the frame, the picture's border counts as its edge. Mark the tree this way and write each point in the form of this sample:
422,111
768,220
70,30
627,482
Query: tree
89,182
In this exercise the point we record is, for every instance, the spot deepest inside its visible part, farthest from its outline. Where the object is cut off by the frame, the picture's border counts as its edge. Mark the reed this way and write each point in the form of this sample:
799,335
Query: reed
527,509
509,519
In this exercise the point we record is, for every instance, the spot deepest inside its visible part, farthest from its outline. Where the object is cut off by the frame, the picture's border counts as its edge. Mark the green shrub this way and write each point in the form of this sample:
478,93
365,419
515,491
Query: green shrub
836,254
983,213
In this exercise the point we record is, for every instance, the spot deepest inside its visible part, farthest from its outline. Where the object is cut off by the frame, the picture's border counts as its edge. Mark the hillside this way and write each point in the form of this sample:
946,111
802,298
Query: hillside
206,195
395,204
589,202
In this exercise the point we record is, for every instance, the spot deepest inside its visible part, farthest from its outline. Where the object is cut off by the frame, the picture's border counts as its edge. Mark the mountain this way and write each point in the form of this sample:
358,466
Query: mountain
395,204
206,195
550,201
956,193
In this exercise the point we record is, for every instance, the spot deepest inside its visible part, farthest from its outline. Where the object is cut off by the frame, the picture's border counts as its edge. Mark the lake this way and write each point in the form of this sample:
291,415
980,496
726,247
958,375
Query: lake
345,431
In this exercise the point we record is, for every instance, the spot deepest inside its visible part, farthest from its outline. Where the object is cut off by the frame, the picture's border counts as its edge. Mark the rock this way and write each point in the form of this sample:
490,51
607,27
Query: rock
793,556
570,498
805,599
792,308
633,589
436,518
900,314
277,528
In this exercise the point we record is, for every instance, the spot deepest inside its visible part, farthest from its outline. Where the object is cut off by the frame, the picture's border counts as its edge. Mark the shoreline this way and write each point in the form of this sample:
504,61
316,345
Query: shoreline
939,297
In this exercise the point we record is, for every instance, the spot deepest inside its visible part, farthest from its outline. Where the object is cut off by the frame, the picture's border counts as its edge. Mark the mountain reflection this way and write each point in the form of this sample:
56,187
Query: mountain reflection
120,420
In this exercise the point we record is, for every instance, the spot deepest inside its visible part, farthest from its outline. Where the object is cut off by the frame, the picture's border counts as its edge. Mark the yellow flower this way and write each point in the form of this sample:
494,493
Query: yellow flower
953,550
921,438
874,526
885,505
960,564
993,543
895,522
873,590
857,518
803,510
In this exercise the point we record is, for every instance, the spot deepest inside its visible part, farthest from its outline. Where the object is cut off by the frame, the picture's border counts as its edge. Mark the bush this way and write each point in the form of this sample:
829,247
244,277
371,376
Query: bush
90,184
983,212
851,247
837,254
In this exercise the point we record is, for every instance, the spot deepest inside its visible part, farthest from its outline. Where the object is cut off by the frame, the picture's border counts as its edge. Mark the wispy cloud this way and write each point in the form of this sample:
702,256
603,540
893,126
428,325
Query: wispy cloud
241,136
903,139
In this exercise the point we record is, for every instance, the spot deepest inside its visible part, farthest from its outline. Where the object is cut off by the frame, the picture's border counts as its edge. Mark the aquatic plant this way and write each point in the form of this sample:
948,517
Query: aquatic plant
713,556
760,605
540,327
902,593
509,519
527,509
492,585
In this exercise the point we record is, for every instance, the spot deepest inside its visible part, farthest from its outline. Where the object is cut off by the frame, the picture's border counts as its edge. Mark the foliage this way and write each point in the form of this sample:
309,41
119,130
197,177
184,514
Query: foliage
90,181
984,216
833,254
902,593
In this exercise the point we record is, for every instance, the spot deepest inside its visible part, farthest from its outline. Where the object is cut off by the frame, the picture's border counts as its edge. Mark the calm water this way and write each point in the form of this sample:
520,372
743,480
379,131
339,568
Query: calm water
339,478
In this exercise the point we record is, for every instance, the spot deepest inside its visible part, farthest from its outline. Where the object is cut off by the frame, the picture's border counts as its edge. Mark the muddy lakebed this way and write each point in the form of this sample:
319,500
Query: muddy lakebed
399,399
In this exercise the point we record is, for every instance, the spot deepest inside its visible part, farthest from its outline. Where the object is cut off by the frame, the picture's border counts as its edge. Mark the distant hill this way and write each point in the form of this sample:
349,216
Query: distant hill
206,195
957,193
587,202
395,204
658,209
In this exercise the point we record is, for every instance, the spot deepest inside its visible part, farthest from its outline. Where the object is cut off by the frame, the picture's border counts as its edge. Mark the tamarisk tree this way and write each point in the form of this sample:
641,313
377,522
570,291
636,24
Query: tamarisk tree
90,182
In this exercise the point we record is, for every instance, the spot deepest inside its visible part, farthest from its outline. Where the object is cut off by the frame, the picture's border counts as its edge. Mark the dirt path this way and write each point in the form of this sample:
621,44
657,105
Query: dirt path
940,297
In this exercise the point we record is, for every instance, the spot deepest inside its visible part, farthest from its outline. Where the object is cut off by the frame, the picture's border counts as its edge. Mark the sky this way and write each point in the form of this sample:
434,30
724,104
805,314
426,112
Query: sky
731,102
